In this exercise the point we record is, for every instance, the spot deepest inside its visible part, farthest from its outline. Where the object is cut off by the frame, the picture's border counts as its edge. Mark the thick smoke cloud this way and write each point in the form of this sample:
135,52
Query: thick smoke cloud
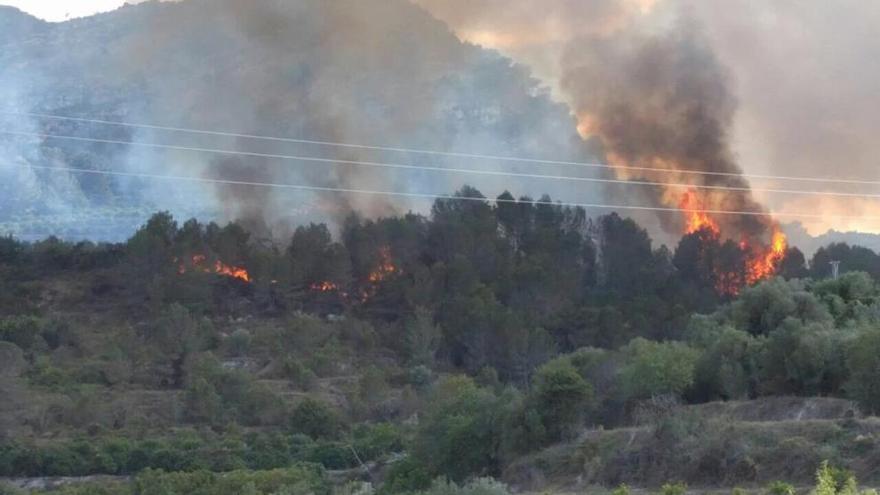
535,33
803,77
663,101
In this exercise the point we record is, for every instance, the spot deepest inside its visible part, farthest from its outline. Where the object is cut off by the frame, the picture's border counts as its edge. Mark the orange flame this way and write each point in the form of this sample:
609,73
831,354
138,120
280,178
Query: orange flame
761,262
765,263
231,271
384,270
325,286
386,267
696,220
198,263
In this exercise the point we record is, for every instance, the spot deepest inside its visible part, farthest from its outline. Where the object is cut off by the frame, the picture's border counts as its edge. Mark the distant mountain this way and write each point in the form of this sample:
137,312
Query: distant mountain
807,243
355,71
16,26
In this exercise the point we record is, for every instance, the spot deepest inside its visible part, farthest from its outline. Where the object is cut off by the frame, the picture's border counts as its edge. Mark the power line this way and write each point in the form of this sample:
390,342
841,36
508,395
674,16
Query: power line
441,153
401,166
303,187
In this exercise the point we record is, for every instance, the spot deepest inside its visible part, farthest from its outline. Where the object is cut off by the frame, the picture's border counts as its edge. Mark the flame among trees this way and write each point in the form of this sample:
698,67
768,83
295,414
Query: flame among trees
733,265
199,263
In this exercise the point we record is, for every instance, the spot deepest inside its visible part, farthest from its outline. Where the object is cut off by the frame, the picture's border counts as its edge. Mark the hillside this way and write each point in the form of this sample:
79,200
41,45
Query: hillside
402,353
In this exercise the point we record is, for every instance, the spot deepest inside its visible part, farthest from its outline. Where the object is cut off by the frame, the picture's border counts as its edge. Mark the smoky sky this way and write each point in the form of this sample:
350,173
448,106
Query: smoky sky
786,88
374,72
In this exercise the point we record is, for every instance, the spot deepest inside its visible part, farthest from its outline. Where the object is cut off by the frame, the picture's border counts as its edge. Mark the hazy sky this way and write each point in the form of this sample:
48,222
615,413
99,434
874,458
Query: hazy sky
59,10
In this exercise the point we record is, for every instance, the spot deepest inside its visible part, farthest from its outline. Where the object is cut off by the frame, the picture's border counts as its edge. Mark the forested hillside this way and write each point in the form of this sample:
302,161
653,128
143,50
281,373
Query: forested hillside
519,340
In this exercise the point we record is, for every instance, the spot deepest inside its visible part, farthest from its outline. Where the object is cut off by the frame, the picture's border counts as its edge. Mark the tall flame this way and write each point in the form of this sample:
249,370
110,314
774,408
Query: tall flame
695,218
766,262
761,261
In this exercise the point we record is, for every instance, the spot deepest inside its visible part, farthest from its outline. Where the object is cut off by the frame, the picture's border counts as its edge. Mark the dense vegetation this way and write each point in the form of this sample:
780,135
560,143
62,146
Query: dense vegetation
408,349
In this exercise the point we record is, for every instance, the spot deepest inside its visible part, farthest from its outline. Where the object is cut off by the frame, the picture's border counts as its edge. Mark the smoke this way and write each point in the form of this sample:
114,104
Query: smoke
644,80
376,72
663,101
806,91
535,35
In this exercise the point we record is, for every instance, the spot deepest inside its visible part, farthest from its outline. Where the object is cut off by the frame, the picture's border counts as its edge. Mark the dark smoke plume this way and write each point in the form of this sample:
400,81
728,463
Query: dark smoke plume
663,101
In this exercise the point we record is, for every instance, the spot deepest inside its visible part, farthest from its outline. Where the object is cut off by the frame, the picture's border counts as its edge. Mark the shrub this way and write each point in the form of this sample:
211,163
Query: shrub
863,361
299,374
560,397
239,343
23,331
460,432
479,486
332,455
657,368
419,376
835,481
405,476
780,488
374,441
297,480
315,419
673,489
6,489
621,489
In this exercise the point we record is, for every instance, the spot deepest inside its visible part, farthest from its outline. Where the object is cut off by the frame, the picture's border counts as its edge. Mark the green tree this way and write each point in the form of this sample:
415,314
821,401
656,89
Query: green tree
422,338
315,419
657,368
460,432
761,309
863,363
561,397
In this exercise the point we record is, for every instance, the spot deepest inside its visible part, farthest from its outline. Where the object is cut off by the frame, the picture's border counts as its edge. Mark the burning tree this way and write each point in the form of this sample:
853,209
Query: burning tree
662,107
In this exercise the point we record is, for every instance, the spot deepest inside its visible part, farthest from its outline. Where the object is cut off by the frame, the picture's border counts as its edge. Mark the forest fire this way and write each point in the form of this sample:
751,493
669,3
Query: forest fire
199,263
386,267
759,261
767,262
695,219
383,270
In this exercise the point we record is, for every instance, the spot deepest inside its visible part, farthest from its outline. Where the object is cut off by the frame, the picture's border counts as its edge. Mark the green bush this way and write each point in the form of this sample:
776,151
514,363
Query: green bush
657,368
295,371
479,486
7,489
780,488
332,455
405,476
621,489
673,489
297,480
863,364
23,331
315,419
561,397
374,441
460,433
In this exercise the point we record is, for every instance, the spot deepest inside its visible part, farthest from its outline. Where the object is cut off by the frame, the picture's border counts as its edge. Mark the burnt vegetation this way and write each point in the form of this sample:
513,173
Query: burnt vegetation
480,340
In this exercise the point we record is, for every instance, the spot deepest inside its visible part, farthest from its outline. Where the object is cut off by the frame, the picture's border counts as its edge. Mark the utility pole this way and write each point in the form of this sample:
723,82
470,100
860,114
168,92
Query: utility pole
835,269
